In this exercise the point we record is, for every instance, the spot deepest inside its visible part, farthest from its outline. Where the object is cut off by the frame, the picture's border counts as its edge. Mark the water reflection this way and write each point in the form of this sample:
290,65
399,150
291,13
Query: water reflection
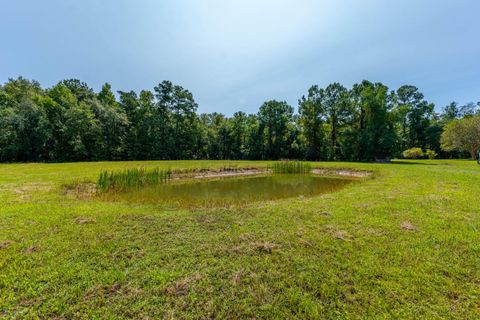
236,190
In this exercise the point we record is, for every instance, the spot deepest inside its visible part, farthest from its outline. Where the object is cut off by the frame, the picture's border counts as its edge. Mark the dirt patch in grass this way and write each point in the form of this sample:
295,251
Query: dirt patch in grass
25,192
127,254
363,205
237,250
31,249
405,225
342,172
300,232
246,236
5,244
238,277
324,213
208,218
249,246
374,232
264,247
111,290
258,171
338,233
80,190
221,174
181,286
30,302
85,220
138,217
342,235
31,187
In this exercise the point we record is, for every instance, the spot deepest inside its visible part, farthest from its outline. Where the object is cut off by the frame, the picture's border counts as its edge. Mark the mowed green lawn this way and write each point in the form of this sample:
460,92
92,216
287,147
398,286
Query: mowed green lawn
405,244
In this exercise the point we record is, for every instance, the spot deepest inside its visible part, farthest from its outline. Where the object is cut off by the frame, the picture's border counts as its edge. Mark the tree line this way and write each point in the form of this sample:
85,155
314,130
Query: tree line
72,122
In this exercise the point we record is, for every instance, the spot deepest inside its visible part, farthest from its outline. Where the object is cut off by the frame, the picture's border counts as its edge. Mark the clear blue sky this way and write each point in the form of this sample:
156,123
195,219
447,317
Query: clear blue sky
235,54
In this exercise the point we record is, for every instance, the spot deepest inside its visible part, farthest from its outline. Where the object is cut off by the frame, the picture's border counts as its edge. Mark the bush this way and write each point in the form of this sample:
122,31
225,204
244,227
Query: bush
431,154
413,153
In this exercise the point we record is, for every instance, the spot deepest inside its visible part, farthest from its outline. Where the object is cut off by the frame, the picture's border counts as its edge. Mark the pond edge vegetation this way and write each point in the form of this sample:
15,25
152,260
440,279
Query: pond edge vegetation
136,178
131,179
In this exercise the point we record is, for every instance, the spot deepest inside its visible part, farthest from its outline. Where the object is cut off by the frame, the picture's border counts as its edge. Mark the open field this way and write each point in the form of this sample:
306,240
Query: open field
404,244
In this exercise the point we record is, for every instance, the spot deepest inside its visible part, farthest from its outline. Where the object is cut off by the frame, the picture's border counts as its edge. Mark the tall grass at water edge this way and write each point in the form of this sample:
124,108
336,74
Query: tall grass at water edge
288,167
131,179
136,178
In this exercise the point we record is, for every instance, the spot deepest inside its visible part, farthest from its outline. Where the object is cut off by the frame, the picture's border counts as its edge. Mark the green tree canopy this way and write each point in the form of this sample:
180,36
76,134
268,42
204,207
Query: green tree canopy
462,135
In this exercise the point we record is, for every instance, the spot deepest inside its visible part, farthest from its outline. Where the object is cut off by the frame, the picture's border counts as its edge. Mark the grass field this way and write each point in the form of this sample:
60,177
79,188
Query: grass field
405,244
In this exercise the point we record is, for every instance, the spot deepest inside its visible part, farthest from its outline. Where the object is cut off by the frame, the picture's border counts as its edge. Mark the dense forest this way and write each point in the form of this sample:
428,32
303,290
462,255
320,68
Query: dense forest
72,122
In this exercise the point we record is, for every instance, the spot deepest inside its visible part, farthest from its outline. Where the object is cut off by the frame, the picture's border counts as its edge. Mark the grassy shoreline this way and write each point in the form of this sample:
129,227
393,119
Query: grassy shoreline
402,245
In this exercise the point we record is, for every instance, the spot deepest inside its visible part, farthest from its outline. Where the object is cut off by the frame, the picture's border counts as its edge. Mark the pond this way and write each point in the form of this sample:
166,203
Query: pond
232,191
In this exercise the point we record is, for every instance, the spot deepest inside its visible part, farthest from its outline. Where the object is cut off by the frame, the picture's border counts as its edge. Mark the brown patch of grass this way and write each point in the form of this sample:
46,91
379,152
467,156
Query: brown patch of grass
30,302
237,249
238,277
246,237
103,290
342,235
325,213
181,286
342,172
85,220
374,232
134,253
31,249
300,232
32,187
138,217
437,197
337,233
305,243
206,173
80,190
253,247
329,227
112,290
264,247
5,244
207,219
405,225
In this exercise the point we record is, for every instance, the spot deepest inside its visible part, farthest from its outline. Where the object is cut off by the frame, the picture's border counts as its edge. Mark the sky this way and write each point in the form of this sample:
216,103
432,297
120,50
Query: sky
235,54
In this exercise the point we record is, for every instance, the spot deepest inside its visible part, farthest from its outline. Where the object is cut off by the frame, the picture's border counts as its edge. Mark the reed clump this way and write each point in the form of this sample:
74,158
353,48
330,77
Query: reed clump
131,179
288,167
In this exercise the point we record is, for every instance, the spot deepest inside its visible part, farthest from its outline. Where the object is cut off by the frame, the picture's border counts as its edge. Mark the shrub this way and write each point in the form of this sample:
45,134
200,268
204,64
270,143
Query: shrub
413,153
431,154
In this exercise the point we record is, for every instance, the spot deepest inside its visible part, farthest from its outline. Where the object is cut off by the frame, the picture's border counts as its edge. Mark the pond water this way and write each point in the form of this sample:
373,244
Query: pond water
228,191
